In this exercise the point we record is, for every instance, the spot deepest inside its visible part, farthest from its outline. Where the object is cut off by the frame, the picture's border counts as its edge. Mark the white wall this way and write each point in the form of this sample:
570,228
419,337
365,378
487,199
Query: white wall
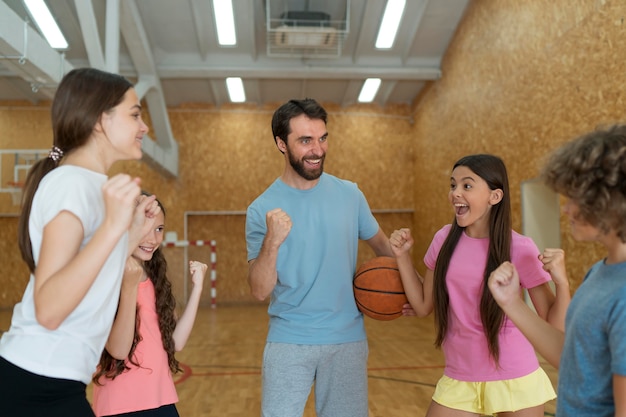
540,216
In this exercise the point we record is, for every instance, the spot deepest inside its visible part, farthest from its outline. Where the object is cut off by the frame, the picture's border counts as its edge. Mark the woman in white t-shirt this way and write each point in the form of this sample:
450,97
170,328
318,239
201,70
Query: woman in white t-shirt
75,231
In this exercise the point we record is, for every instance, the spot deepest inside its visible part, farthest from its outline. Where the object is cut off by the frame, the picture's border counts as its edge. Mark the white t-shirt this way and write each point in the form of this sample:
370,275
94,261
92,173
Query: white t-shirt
73,350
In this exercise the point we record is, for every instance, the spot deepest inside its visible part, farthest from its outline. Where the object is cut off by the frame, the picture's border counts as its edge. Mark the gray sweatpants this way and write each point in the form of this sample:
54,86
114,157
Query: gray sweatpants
339,372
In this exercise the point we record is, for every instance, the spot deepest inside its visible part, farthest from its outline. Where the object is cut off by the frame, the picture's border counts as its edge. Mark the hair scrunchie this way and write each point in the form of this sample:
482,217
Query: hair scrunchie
55,153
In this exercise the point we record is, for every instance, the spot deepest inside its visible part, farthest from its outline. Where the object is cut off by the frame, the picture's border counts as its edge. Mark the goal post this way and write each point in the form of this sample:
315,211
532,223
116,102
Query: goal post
171,242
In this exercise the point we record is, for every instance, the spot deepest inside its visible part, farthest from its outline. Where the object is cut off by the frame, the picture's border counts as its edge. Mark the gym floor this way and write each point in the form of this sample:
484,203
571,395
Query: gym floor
222,363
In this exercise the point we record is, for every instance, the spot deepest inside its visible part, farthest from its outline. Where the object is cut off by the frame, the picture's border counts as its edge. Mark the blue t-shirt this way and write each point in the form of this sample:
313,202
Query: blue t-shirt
313,301
595,344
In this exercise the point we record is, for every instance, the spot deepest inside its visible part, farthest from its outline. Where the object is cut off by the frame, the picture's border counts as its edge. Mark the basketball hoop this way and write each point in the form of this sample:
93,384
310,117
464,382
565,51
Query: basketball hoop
16,192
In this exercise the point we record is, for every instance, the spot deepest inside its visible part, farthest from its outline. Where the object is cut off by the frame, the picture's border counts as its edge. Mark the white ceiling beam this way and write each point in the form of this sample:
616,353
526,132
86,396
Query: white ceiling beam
29,73
368,26
285,72
253,91
89,29
112,28
352,92
384,92
136,39
16,84
161,153
145,84
245,10
24,52
217,88
202,17
413,19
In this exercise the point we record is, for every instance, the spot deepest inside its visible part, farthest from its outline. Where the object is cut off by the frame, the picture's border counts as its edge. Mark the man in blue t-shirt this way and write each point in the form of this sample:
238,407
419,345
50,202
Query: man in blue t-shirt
302,237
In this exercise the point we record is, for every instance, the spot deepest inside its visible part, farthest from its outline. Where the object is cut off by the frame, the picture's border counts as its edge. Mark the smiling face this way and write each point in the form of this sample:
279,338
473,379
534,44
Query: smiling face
472,200
124,127
305,151
152,241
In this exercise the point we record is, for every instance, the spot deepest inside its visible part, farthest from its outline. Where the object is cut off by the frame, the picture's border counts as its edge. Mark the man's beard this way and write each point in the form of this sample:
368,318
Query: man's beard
298,166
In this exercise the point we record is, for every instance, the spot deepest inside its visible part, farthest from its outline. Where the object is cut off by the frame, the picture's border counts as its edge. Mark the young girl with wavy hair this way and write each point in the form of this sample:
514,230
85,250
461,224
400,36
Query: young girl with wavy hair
135,372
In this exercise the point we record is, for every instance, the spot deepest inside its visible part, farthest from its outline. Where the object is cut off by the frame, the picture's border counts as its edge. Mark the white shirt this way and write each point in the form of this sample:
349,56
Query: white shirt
73,350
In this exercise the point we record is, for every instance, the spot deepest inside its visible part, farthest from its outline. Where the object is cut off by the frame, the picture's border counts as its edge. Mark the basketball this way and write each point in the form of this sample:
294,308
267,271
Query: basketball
378,289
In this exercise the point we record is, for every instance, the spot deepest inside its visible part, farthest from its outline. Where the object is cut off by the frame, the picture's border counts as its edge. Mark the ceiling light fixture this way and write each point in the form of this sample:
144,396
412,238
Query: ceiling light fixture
235,89
369,90
47,25
390,24
225,22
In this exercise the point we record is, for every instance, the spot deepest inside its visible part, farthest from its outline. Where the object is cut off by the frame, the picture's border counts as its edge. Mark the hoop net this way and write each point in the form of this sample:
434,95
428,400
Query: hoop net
16,192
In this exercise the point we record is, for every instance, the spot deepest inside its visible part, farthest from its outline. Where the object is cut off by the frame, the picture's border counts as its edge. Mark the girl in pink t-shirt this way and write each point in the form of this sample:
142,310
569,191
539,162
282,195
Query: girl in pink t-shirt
135,371
491,368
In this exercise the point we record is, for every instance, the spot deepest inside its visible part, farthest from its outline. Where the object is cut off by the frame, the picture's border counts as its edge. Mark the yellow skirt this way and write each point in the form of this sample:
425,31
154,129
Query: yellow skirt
492,397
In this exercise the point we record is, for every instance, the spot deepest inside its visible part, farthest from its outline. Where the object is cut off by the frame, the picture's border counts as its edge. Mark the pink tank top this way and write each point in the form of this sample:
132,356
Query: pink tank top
148,386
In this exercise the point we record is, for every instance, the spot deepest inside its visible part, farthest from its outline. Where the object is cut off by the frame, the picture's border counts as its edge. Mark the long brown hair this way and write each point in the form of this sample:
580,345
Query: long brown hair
156,270
491,169
82,97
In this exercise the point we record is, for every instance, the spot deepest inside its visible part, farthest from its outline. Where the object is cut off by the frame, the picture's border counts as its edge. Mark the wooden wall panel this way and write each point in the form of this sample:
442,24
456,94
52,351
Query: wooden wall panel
24,126
519,79
374,151
228,157
15,275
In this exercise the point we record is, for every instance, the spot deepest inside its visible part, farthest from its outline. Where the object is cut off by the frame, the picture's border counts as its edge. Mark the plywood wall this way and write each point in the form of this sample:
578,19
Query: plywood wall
227,158
519,79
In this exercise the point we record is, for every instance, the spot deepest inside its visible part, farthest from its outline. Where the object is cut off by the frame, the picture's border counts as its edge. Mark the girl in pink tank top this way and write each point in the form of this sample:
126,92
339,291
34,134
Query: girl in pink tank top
136,368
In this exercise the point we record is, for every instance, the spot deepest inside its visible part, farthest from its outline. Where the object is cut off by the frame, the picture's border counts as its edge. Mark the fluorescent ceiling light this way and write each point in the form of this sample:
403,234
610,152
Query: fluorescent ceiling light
46,23
235,89
369,90
390,23
225,22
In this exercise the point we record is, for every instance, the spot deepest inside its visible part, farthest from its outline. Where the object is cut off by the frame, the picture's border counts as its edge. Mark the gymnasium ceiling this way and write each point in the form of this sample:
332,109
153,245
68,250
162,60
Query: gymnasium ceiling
170,47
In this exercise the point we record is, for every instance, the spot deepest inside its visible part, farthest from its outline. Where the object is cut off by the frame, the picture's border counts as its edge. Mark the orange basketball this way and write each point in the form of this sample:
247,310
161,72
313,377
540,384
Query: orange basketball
378,289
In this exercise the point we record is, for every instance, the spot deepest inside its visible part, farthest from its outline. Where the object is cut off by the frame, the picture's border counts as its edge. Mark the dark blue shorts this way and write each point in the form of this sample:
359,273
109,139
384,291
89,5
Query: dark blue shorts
163,411
26,394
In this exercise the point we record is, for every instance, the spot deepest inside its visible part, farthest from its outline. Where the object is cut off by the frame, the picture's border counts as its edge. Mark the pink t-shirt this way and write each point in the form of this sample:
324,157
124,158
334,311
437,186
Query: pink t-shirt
465,346
148,386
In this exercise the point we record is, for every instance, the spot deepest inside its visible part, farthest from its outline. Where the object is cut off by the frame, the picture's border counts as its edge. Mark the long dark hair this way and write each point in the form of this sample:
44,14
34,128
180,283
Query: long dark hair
156,270
491,169
82,97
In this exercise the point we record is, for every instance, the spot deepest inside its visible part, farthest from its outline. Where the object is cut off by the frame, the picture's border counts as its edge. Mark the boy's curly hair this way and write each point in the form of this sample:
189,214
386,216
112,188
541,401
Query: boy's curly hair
591,171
